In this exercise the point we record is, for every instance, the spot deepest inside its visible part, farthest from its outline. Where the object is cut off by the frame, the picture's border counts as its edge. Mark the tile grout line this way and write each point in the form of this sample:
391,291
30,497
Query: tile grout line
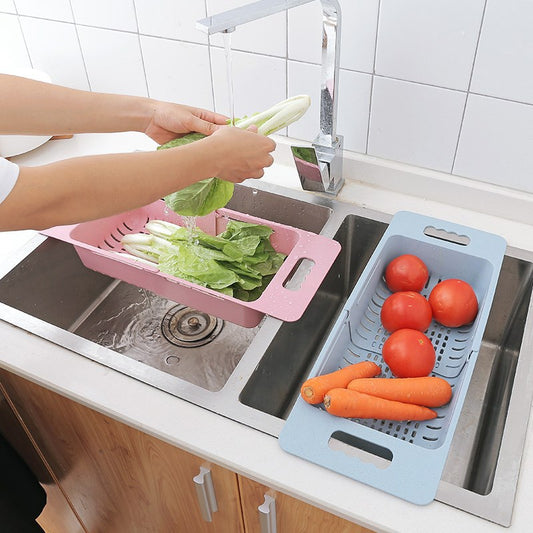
16,14
141,49
370,100
79,45
468,93
24,38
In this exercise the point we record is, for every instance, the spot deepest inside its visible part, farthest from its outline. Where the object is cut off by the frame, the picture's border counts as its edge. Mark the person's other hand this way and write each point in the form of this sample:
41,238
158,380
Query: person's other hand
239,154
170,121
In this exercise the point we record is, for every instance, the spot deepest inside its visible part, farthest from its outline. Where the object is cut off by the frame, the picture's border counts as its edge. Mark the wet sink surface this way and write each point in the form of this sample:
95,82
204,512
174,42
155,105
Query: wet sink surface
253,375
183,342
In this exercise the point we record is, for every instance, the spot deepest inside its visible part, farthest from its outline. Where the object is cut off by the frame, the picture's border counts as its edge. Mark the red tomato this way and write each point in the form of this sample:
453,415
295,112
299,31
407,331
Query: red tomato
409,353
453,302
406,273
406,309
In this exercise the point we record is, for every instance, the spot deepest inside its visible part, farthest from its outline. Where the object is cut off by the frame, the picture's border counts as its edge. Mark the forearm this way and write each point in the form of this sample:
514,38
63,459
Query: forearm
86,188
38,108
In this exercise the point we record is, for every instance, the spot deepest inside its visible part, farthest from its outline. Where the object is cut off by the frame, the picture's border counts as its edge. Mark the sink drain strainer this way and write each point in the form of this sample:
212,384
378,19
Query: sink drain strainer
186,327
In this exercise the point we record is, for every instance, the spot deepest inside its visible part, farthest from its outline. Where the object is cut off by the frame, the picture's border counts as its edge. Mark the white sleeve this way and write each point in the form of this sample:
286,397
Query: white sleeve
9,172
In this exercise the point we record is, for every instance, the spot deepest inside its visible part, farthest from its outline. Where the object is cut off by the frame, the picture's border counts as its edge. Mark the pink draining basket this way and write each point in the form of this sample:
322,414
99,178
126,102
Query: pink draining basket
97,242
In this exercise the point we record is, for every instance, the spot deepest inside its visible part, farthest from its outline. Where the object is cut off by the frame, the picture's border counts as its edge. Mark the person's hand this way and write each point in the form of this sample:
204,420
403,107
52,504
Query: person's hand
239,154
170,121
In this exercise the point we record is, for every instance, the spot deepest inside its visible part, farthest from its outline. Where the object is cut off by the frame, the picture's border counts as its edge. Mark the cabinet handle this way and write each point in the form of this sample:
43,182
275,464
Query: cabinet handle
205,491
267,515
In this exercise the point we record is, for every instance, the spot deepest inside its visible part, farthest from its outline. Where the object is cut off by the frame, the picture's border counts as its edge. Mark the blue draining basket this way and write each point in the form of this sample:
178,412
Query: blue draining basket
402,458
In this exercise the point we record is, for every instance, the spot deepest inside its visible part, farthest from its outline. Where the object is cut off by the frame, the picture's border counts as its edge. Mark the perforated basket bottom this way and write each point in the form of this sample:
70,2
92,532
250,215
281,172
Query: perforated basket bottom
452,349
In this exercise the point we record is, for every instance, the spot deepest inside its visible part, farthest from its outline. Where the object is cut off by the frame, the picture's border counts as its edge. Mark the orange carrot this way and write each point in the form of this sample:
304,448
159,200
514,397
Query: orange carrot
352,404
430,391
313,389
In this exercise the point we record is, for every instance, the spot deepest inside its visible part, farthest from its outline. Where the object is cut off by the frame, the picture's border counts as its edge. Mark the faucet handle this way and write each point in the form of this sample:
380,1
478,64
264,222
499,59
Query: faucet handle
320,167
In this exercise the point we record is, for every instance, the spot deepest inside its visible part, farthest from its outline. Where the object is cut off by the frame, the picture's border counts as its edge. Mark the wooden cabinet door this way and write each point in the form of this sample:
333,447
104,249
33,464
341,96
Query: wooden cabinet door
57,516
117,478
292,515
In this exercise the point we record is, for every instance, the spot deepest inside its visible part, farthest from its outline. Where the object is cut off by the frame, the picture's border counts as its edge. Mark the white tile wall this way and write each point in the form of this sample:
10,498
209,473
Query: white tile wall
7,6
258,81
113,61
13,53
415,123
358,40
305,33
185,77
504,63
173,19
114,14
304,78
429,42
354,101
446,84
54,48
50,9
496,143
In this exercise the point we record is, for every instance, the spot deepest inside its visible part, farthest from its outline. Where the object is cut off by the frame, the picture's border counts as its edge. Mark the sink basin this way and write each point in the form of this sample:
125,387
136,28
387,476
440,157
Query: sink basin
275,383
132,329
253,375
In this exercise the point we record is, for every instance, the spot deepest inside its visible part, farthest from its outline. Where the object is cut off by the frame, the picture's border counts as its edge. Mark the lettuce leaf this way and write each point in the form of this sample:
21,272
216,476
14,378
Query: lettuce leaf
202,197
239,262
193,265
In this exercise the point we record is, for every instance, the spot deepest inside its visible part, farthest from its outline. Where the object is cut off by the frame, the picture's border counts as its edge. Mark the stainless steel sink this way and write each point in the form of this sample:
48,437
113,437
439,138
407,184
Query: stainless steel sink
253,375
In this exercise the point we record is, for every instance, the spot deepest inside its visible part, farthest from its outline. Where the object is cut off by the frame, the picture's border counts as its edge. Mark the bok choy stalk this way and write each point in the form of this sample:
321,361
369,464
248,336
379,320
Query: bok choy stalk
146,246
278,116
239,262
203,197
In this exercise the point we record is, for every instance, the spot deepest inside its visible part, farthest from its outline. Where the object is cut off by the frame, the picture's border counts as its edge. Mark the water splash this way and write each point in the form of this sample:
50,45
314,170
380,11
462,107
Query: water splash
190,225
129,322
136,326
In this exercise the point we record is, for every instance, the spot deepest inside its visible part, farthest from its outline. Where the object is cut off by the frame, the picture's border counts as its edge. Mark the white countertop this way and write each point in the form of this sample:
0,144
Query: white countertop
236,446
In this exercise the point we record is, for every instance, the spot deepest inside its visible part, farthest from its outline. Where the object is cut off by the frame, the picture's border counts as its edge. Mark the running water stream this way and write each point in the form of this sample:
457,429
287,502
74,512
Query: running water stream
190,221
190,225
229,76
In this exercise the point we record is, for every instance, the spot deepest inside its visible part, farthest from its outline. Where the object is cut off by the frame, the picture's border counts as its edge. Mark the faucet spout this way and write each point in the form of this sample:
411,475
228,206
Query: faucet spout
325,175
227,21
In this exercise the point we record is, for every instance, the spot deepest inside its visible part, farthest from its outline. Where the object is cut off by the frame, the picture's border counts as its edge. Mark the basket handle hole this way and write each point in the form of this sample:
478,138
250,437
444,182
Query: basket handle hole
448,236
365,451
297,275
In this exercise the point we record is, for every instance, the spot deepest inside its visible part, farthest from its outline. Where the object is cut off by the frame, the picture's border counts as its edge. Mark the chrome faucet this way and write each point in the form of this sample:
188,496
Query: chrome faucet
320,165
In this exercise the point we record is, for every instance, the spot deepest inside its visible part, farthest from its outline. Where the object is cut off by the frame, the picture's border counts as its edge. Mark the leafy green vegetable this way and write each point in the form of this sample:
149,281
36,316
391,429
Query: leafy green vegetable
201,198
239,262
206,196
193,265
236,230
180,141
